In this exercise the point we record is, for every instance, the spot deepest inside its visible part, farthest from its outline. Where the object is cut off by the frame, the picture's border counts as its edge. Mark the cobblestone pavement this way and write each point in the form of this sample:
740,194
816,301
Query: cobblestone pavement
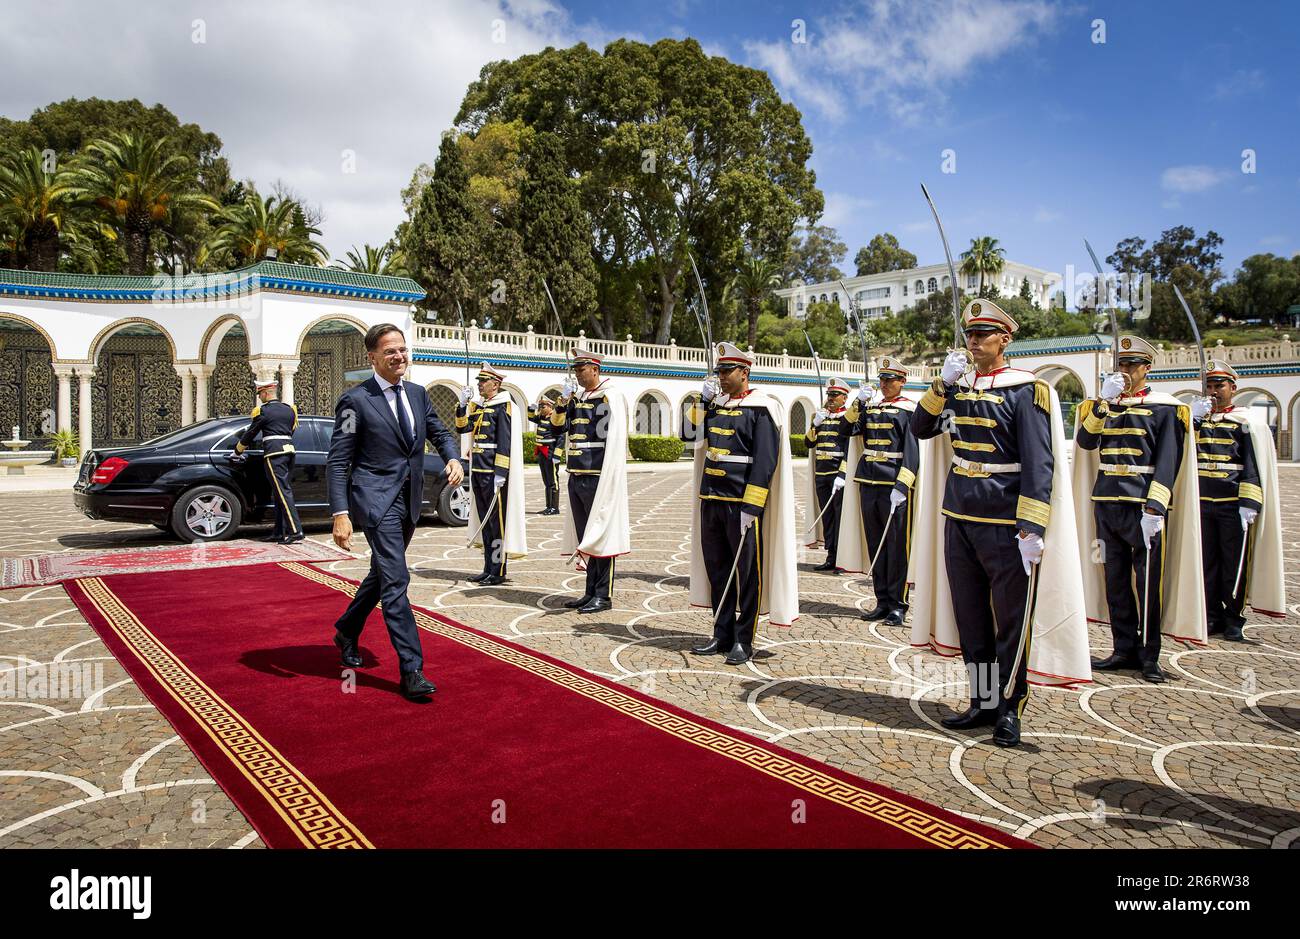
1210,759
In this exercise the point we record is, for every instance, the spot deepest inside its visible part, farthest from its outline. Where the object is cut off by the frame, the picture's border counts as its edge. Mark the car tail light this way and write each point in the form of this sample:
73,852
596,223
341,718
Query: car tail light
108,471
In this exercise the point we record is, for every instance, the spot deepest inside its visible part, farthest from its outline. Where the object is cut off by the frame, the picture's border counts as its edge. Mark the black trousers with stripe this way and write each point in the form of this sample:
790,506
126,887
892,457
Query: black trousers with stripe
889,573
550,483
279,467
831,517
1124,553
1222,540
989,591
736,612
494,554
600,571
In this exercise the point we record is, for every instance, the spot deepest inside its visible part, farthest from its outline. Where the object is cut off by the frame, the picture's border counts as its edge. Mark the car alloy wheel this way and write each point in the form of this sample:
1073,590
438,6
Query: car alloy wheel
208,516
459,503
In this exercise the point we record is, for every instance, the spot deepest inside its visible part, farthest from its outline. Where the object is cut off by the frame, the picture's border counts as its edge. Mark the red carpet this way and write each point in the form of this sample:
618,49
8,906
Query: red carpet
516,749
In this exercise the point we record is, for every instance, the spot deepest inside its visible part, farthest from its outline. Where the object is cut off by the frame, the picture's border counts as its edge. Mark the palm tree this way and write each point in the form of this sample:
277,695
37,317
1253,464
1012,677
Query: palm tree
983,258
139,185
387,259
753,283
247,230
36,208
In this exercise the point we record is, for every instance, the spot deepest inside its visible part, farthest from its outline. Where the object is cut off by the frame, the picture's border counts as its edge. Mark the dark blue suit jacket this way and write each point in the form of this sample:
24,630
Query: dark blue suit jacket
369,462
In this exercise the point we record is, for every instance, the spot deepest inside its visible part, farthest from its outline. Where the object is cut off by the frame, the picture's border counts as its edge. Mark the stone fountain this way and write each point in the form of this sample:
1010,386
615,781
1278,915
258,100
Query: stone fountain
17,459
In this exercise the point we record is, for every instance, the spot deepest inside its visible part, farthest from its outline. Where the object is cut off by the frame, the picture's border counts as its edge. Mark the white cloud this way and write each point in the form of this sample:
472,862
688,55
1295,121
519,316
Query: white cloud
1196,178
1239,83
287,86
1044,215
899,55
843,209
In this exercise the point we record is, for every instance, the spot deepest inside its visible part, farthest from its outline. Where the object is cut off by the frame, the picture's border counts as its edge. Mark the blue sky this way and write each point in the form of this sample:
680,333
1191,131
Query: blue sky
1056,137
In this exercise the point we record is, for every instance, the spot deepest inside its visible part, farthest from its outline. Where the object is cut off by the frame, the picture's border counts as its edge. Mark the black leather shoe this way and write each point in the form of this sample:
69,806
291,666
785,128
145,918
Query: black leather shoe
293,539
709,648
1151,672
825,566
974,716
1234,634
1113,663
491,580
348,654
878,611
895,617
477,577
1006,733
415,685
578,603
739,655
597,605
270,539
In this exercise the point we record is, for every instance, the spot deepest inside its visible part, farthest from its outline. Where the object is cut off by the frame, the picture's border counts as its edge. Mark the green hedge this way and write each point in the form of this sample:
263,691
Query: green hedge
798,445
650,448
530,444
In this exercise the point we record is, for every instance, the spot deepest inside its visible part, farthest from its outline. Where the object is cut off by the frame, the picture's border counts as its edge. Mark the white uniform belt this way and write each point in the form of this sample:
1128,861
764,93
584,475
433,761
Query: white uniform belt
588,446
730,458
277,437
974,467
1131,469
485,446
830,453
1219,466
883,453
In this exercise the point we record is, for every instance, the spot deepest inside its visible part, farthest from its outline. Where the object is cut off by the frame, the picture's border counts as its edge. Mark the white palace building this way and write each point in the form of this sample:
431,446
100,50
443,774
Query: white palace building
122,359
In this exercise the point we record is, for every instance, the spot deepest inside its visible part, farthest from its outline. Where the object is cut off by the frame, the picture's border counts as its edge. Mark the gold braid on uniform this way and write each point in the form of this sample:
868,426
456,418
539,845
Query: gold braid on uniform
1185,415
1042,396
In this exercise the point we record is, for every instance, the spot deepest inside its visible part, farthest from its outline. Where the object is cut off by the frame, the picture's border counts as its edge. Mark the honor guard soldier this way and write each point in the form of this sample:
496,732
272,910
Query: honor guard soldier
885,478
1132,442
275,421
1229,480
550,444
996,503
593,418
742,555
828,446
488,422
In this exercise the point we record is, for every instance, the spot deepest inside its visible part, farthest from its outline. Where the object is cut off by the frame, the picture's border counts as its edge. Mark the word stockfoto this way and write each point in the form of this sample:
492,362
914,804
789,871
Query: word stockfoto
75,892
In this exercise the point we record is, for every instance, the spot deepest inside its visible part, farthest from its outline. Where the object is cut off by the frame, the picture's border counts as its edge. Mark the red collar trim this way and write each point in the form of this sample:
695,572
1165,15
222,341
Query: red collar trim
892,400
1140,394
979,374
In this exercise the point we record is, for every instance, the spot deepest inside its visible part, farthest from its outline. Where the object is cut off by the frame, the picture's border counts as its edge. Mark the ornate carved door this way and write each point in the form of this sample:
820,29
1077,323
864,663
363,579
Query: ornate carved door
137,395
313,384
27,394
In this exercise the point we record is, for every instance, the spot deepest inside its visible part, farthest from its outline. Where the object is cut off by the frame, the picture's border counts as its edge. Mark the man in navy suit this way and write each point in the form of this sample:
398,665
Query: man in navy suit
376,479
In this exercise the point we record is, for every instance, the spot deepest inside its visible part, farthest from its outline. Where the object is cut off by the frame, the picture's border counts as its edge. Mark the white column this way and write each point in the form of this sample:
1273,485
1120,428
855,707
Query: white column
187,393
202,377
85,374
287,371
64,375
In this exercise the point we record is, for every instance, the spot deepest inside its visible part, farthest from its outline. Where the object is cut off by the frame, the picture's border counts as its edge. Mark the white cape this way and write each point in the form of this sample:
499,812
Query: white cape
813,508
515,535
1058,650
1183,616
608,532
778,567
1265,582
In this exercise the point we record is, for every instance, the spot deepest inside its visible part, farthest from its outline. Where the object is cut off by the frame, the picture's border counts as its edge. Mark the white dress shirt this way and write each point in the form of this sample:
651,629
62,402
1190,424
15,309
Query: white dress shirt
389,397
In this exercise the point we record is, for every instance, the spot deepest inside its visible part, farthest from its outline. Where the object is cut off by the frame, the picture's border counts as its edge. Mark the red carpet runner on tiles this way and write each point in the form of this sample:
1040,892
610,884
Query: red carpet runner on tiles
516,749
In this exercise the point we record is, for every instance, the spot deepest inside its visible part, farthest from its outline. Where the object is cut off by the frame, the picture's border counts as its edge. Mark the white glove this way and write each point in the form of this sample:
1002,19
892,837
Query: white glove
876,397
954,366
1248,517
1031,549
896,498
1113,386
839,484
465,394
709,390
1152,525
866,392
569,388
498,482
1201,408
819,416
746,522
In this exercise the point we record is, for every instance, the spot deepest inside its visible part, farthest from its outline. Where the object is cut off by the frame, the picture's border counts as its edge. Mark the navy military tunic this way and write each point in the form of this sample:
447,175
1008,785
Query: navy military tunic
489,430
1229,481
276,421
550,441
829,446
584,421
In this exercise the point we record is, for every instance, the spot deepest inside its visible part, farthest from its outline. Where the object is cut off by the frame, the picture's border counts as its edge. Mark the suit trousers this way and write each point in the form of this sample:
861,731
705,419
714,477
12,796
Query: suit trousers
387,583
1119,529
494,554
1222,541
989,591
889,572
831,517
719,541
600,571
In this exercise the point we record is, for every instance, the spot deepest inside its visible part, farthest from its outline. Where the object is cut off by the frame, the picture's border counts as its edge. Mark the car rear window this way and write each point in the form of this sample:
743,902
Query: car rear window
177,439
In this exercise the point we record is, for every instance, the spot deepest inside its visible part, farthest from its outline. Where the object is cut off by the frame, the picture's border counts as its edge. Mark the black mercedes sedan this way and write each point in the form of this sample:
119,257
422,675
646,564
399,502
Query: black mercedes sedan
182,482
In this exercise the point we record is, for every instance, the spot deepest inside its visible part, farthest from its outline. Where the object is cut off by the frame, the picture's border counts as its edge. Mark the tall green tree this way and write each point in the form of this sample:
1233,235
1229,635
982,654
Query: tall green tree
386,259
674,150
883,253
1264,287
984,258
750,286
38,209
247,231
813,255
442,238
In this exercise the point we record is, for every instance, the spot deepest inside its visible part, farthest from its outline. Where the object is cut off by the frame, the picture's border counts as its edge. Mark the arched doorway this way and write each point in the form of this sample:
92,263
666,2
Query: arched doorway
331,359
800,416
136,394
232,378
444,398
1264,404
1069,391
651,414
28,391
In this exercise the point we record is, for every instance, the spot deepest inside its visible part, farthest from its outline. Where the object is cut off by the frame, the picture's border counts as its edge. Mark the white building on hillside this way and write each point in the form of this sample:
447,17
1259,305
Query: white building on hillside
892,291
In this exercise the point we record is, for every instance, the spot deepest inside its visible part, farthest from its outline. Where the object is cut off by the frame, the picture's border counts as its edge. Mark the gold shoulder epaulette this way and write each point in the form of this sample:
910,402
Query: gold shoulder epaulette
1042,395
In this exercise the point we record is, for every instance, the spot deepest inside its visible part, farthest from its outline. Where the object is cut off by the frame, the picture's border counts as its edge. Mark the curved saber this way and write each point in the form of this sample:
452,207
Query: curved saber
817,364
460,314
857,324
704,302
883,535
1196,333
732,576
1114,323
812,526
559,326
486,515
952,271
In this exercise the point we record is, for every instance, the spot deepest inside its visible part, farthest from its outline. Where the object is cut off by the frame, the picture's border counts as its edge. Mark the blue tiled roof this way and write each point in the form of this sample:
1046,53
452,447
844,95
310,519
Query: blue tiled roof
1058,344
